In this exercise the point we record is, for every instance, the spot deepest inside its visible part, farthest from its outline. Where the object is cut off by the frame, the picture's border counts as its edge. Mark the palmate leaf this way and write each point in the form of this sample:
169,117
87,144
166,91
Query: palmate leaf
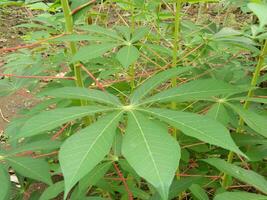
37,169
139,34
239,196
80,37
83,151
252,99
87,53
197,126
151,151
205,89
255,121
219,113
52,191
49,120
248,176
198,192
155,81
177,187
102,31
93,177
260,10
84,94
127,55
35,146
5,183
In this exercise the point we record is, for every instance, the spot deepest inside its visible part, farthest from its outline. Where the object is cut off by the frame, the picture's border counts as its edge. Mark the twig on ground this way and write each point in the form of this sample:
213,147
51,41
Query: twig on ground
37,77
3,117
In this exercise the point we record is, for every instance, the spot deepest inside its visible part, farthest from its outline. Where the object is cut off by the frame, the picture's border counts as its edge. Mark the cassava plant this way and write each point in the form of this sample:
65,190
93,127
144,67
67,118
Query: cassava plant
108,127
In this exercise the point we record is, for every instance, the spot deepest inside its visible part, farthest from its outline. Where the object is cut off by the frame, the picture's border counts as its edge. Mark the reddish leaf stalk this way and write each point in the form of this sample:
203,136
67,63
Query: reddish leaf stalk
61,131
130,195
29,46
198,175
45,155
98,84
82,6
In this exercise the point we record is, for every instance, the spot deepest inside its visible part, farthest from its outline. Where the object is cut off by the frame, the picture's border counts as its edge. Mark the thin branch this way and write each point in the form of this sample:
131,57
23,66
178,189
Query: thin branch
193,145
45,155
238,186
82,6
29,46
61,131
98,84
37,77
130,195
198,175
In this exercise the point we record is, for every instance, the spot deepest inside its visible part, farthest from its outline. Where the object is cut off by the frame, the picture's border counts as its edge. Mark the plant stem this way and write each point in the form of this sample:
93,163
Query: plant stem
176,39
132,67
73,48
246,105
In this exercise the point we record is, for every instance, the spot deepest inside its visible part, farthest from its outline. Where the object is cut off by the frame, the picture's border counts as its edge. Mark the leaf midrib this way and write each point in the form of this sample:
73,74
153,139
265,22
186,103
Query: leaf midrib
148,148
95,141
197,130
63,119
96,98
151,99
23,166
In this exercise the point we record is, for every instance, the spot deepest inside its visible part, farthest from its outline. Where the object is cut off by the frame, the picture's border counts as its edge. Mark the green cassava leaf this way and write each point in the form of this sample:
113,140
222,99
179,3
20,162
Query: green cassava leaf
52,191
197,126
260,10
37,169
127,55
102,31
6,87
5,183
139,34
198,192
200,1
253,120
35,146
239,196
205,89
84,94
91,51
155,81
151,151
252,99
93,177
87,148
179,186
248,176
79,37
219,113
49,120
